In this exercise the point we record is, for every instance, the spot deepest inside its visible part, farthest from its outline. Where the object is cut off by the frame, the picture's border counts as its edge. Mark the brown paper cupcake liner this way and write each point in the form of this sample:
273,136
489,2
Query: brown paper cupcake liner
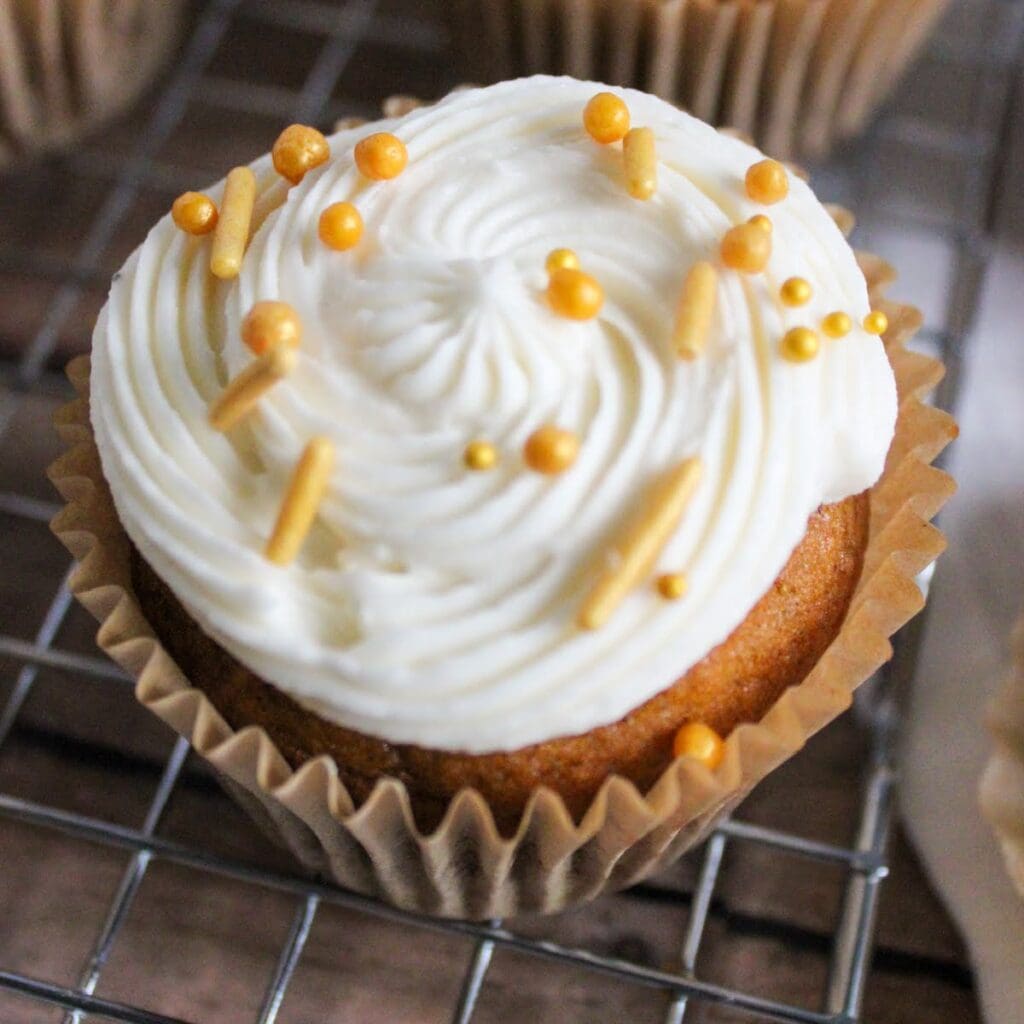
466,868
798,76
1002,784
68,65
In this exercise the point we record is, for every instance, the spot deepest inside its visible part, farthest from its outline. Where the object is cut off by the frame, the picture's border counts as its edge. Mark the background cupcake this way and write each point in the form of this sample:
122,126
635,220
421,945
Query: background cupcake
796,75
67,65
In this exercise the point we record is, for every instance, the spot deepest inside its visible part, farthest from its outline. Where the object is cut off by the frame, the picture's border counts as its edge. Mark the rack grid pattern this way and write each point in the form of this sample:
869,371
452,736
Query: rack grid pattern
990,65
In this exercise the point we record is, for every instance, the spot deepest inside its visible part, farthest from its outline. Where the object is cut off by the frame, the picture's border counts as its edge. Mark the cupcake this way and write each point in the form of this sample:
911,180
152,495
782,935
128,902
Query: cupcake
1002,785
796,75
66,66
495,493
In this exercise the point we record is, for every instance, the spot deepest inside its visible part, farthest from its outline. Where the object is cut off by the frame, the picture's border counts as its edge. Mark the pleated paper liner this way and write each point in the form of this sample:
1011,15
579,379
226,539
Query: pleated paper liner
465,868
1002,784
797,76
68,65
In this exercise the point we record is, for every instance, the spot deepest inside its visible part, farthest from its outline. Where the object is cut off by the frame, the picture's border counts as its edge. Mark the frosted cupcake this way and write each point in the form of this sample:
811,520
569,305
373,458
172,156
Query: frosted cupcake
796,75
518,444
68,66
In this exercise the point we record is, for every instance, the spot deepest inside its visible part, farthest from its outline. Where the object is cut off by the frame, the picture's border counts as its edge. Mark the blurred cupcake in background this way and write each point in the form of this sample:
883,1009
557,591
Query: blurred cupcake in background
797,76
1002,785
68,65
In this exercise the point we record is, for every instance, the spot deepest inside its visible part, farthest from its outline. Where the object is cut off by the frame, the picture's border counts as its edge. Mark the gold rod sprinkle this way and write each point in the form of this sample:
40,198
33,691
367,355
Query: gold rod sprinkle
301,501
231,235
642,541
695,309
244,391
641,161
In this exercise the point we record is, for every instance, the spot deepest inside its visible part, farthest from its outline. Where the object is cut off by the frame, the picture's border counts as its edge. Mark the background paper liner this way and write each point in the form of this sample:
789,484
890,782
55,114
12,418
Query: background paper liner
465,868
795,75
66,65
1002,784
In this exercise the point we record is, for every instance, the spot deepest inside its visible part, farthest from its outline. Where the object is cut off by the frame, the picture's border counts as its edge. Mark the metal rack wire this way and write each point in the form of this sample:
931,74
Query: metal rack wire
989,64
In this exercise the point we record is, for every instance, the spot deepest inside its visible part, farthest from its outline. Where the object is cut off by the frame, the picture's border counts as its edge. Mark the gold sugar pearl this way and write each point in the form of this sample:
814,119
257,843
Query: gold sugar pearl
194,213
574,294
270,324
672,585
795,291
799,345
381,156
762,221
298,149
550,449
640,157
699,741
767,182
480,455
836,325
746,248
340,226
561,259
606,118
876,322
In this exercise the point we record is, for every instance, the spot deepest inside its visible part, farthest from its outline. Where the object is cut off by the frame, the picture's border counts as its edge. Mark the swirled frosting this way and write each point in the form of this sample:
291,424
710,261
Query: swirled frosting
436,605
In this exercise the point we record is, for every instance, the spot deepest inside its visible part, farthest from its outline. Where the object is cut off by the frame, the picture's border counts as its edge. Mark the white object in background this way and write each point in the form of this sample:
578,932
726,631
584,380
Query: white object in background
974,602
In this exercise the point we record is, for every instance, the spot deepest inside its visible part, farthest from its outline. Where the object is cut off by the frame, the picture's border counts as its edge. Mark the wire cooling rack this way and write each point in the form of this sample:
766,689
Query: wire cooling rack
928,171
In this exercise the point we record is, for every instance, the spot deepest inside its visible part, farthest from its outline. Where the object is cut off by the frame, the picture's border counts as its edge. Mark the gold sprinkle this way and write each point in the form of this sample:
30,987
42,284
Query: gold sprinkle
298,149
836,325
301,501
641,161
561,259
550,449
745,247
480,455
767,182
574,294
231,235
606,118
795,291
194,213
799,345
244,391
270,324
876,322
641,542
695,310
699,741
762,221
672,585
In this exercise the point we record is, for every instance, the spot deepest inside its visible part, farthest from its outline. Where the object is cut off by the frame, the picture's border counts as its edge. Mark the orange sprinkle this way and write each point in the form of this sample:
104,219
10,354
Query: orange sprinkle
700,741
767,182
271,324
574,294
746,248
381,156
606,118
194,213
298,149
550,449
340,226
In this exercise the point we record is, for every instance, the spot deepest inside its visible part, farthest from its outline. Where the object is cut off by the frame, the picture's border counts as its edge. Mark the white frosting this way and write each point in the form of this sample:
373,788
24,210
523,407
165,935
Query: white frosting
436,605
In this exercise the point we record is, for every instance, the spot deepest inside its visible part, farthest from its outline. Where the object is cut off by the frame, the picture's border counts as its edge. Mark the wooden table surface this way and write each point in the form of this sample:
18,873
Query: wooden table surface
202,947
